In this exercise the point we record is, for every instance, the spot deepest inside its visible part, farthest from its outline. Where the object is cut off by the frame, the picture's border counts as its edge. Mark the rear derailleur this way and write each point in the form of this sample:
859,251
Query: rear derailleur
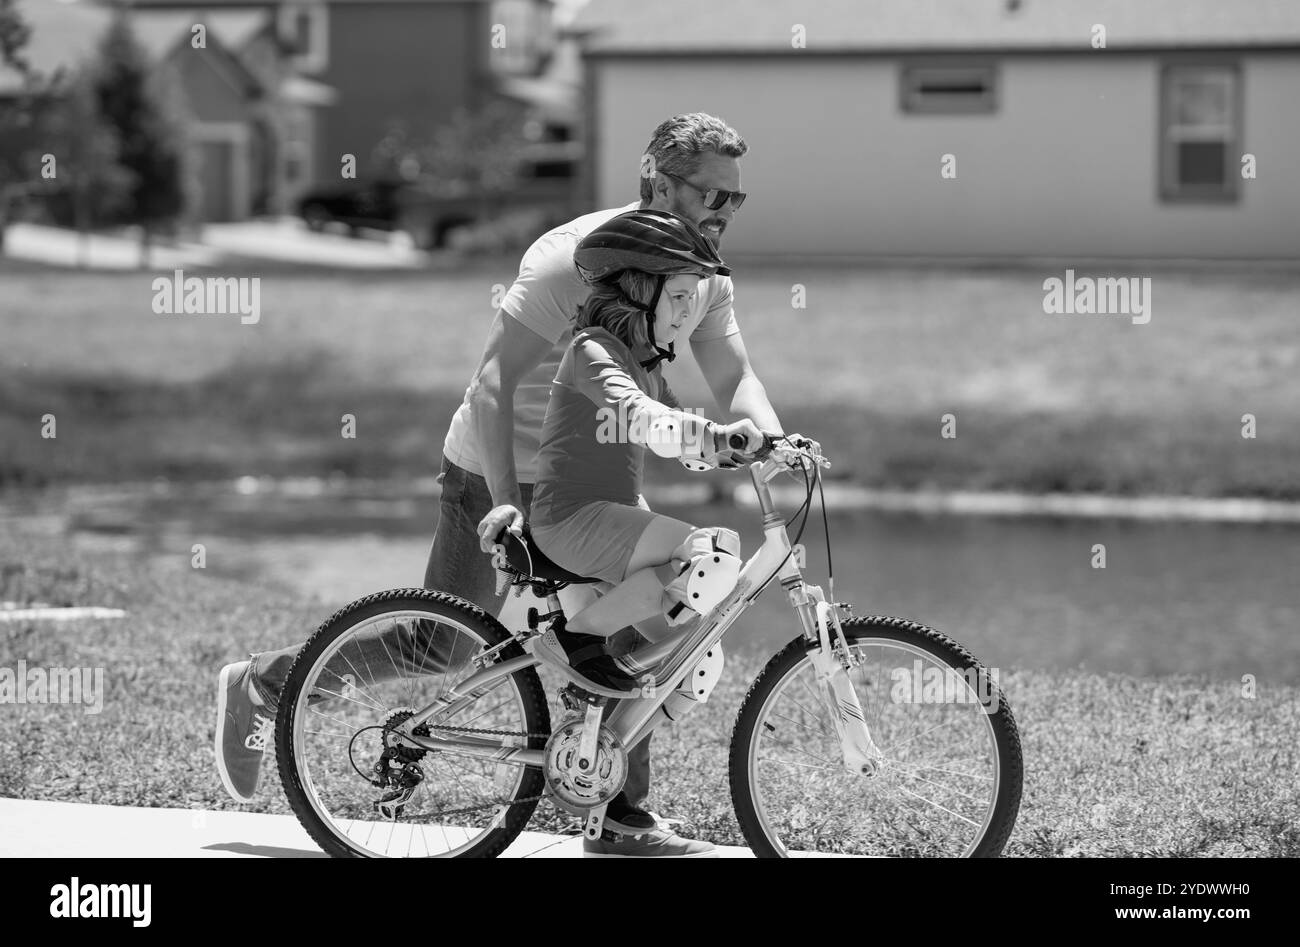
397,770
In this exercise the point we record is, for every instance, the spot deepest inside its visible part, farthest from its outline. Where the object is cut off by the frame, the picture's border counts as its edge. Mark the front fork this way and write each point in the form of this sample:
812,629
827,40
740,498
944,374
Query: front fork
832,662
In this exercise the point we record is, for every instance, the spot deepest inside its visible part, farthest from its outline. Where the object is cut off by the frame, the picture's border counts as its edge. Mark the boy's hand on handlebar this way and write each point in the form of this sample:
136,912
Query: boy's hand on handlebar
742,436
501,517
730,459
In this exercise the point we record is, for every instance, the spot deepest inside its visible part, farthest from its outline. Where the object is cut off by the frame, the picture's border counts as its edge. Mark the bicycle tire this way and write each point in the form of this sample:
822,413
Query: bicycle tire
789,661
438,606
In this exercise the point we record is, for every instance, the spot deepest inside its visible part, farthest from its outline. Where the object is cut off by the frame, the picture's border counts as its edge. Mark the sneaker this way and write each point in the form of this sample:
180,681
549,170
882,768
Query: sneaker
585,655
659,842
243,731
623,817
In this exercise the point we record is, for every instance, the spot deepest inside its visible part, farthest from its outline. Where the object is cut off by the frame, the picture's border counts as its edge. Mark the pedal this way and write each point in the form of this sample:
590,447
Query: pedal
595,823
574,698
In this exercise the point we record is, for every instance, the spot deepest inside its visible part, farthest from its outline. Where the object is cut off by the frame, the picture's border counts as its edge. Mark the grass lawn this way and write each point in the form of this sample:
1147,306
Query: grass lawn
1042,402
1114,765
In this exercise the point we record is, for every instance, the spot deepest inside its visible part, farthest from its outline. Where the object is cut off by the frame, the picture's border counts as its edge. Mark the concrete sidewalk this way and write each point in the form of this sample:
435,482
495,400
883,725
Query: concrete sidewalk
38,829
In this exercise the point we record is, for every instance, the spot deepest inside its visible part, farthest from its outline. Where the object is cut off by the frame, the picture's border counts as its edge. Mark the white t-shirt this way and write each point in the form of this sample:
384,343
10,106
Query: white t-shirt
545,298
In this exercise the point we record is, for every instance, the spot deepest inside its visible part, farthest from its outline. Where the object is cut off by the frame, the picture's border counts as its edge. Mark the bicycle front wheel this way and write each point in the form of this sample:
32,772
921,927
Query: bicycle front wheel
949,780
357,788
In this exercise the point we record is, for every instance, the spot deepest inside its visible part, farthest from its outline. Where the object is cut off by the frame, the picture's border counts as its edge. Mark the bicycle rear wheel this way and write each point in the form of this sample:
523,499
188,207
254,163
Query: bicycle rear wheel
366,670
950,780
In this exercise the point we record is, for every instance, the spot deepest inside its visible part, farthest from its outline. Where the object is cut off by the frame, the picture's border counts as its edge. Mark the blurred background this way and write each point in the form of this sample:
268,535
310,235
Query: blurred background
381,165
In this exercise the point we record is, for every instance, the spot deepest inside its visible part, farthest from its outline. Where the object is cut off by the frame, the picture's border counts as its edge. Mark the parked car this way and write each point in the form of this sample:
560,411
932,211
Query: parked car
430,212
387,205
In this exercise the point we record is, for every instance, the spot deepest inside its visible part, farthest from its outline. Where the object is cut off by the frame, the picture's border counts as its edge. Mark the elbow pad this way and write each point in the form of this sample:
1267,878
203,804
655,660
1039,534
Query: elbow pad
682,436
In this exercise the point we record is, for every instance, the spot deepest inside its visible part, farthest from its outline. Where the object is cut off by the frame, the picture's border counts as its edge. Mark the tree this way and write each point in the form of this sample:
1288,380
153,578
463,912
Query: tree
480,150
475,153
14,34
151,146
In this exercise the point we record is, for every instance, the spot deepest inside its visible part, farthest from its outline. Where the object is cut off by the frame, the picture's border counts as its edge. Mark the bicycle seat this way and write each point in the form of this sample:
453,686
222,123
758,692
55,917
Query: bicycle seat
528,560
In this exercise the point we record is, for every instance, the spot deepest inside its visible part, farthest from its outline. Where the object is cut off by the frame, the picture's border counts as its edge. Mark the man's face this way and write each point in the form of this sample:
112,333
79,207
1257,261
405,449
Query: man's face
714,170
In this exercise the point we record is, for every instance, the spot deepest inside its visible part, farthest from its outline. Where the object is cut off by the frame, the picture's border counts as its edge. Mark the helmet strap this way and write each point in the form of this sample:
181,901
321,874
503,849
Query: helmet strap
661,354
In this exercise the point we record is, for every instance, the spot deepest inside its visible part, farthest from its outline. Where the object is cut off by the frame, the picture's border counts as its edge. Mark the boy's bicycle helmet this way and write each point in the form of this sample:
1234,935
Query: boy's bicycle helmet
651,241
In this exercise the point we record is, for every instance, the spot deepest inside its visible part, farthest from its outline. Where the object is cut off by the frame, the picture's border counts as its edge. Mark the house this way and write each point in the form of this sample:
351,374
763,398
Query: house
252,117
400,67
969,128
249,117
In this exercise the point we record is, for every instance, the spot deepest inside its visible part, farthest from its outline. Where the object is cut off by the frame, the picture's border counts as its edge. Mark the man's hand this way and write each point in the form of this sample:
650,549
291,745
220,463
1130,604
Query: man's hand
500,517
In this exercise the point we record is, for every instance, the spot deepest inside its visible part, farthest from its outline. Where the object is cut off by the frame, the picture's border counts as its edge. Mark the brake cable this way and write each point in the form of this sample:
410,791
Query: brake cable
826,527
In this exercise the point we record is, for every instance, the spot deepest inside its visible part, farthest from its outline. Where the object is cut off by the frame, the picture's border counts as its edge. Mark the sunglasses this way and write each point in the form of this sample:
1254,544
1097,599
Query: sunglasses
714,197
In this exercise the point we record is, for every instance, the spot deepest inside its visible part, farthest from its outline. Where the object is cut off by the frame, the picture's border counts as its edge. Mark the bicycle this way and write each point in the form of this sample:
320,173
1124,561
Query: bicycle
841,746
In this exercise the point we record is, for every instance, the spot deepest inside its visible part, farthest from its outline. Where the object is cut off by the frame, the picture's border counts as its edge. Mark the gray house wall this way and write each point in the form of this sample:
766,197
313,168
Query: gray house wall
1067,164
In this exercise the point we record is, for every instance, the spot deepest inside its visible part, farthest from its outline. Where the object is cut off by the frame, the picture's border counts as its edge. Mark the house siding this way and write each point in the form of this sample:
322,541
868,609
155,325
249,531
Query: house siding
1067,164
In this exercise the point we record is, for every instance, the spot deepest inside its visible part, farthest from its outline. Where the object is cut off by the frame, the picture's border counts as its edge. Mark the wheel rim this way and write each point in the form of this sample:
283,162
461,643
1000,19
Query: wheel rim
325,751
938,785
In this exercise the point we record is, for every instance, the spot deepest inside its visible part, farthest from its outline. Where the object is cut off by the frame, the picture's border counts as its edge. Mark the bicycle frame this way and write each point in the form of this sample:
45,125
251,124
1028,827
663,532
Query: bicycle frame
633,719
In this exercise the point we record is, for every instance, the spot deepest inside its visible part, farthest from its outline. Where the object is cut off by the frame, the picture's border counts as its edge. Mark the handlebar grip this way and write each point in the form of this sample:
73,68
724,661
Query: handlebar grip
737,441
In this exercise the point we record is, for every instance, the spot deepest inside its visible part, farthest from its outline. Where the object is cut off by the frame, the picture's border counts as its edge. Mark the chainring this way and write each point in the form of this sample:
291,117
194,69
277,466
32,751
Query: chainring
578,792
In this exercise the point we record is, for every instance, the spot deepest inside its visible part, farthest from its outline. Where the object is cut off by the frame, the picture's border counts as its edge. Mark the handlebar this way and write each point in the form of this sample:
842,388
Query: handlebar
790,452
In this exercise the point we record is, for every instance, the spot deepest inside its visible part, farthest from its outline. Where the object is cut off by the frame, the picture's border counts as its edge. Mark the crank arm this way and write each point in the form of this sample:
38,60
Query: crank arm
589,745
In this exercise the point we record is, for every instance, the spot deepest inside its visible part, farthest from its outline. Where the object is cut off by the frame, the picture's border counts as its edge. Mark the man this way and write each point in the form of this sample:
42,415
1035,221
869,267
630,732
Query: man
691,168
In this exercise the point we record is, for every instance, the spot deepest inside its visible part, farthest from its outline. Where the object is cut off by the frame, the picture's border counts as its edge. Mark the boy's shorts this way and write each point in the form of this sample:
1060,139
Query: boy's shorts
595,541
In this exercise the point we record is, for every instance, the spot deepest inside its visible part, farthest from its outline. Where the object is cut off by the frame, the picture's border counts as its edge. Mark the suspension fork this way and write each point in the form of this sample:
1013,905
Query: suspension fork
831,663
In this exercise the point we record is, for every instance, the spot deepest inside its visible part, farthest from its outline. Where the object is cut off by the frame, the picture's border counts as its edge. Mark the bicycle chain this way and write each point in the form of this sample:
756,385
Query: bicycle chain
498,802
495,733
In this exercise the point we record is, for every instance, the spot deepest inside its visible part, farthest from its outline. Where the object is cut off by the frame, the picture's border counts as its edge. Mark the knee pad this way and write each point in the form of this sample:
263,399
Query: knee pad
696,686
710,569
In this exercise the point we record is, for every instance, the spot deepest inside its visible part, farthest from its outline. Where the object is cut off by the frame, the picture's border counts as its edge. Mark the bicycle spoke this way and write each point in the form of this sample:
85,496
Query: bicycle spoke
898,764
804,725
932,792
937,806
451,796
954,792
770,759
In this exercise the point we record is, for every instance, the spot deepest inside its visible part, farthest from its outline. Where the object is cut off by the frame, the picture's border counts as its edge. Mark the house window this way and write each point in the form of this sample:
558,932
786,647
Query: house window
304,28
949,88
522,36
1200,132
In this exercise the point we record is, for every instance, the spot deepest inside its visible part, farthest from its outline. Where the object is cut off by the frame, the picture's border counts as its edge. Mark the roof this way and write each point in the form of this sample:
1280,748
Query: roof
635,27
66,33
160,30
62,36
178,4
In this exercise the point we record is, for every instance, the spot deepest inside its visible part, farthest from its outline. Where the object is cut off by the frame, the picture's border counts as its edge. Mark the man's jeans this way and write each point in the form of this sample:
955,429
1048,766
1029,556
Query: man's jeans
456,565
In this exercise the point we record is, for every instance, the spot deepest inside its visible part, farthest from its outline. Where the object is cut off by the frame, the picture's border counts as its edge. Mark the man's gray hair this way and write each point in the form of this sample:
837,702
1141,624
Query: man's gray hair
676,146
